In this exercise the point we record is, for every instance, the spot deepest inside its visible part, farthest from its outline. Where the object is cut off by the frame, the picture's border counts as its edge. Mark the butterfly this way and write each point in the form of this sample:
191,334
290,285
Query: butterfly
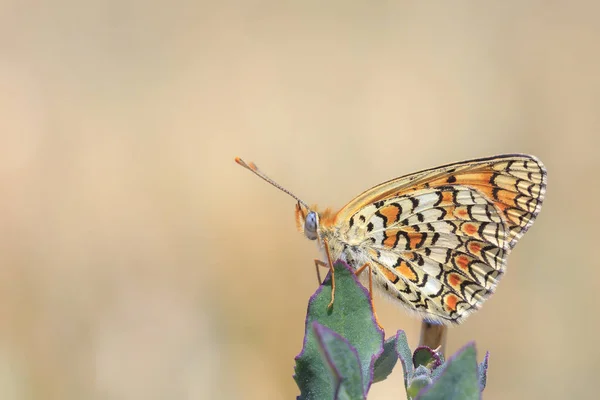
437,240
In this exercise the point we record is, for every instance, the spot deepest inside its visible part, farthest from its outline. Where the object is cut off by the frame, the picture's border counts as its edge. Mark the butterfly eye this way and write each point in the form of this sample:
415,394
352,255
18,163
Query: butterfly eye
310,225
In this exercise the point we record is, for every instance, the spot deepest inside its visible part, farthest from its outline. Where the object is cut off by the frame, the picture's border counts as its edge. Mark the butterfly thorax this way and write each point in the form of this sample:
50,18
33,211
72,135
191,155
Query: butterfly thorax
341,242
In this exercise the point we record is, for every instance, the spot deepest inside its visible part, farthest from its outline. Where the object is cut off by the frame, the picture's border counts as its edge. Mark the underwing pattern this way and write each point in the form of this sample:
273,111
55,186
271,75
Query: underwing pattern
438,240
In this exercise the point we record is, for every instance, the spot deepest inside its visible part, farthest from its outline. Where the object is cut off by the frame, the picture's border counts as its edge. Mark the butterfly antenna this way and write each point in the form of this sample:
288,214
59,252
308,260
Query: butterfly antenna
252,167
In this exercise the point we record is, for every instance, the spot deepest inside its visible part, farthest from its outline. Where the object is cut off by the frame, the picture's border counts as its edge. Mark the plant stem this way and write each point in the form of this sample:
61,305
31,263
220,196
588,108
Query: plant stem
433,336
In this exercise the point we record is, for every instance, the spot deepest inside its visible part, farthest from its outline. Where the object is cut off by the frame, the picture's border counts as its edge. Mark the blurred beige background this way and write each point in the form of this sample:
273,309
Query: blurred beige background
138,261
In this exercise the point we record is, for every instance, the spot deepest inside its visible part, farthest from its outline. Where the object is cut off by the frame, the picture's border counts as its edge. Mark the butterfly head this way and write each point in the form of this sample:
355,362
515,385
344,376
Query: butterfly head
313,223
307,221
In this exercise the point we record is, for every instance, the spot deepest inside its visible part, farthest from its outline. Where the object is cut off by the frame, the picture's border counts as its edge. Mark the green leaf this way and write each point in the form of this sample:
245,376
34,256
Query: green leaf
342,360
482,369
405,356
420,380
352,318
458,380
386,361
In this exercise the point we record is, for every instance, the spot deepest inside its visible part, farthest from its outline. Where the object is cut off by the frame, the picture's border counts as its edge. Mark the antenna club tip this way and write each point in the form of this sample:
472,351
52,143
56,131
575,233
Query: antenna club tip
249,165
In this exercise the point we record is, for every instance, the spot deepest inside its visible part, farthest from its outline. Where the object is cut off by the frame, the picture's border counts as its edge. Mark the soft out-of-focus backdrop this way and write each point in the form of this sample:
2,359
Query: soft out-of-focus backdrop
138,261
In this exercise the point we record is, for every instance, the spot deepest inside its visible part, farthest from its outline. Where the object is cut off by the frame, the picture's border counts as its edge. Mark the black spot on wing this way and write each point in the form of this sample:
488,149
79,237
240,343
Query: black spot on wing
422,241
493,274
529,187
488,214
415,202
495,191
470,195
528,203
406,239
419,259
469,212
439,200
482,226
493,178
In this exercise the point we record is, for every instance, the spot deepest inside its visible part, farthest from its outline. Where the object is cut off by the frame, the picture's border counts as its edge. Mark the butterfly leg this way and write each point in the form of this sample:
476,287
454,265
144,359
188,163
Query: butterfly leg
357,273
319,263
326,244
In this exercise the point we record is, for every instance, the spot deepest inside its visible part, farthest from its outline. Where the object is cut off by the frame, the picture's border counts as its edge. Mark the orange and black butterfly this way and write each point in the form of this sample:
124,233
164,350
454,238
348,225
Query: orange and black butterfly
435,240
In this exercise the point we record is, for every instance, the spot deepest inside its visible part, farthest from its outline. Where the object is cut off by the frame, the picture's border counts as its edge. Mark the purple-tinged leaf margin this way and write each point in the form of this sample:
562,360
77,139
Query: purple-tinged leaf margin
351,317
457,379
342,360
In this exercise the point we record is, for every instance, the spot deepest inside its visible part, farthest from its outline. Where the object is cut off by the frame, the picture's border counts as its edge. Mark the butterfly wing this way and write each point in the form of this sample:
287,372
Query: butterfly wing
438,239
